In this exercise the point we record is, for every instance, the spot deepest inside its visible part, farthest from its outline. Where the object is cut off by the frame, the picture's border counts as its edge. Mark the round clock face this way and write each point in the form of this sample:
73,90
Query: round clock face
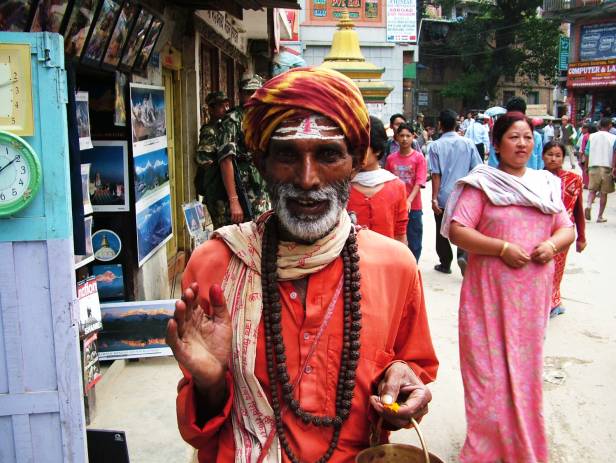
20,174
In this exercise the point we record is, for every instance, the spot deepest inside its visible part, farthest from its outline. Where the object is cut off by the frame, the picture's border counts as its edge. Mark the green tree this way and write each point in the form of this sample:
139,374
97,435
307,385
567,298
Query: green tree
499,38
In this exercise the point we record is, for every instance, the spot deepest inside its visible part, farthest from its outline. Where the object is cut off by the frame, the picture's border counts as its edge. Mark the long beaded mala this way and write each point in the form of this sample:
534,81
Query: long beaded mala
275,350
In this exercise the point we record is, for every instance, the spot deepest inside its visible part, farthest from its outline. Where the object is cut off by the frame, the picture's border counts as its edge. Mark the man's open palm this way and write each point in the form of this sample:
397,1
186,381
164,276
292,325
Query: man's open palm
200,342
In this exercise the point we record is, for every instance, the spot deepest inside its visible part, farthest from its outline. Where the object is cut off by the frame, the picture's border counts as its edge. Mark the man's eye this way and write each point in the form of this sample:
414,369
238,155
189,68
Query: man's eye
330,155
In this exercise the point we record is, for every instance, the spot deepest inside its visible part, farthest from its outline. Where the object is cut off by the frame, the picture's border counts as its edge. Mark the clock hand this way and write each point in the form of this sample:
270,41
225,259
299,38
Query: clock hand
9,163
8,82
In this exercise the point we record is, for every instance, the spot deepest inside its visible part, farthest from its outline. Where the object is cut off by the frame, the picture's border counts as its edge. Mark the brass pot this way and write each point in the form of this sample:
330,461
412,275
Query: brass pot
397,453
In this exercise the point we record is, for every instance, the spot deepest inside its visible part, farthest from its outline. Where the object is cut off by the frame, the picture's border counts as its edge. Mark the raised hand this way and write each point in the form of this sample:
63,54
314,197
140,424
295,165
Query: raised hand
201,339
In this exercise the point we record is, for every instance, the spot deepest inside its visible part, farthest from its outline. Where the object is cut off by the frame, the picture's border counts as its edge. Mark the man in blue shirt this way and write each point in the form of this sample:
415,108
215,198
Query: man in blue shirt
450,158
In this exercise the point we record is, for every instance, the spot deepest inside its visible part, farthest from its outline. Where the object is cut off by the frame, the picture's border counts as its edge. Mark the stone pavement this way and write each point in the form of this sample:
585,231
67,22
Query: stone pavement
580,367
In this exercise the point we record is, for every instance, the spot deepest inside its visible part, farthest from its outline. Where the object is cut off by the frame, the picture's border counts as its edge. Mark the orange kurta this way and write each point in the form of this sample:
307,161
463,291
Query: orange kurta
394,327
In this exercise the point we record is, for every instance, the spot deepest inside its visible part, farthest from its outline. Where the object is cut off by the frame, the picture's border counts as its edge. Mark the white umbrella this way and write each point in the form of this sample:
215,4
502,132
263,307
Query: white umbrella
495,111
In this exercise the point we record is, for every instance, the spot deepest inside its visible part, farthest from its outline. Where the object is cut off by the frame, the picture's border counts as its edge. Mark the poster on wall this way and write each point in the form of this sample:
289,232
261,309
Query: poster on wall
362,13
49,15
85,189
91,365
83,120
136,39
107,245
108,175
598,41
15,15
89,306
148,123
110,281
78,25
80,261
154,227
151,173
103,26
127,17
135,329
119,113
402,21
148,44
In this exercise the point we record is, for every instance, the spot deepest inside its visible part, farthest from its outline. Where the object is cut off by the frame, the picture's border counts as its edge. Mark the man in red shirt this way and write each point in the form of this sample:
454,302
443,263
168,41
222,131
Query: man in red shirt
410,167
294,332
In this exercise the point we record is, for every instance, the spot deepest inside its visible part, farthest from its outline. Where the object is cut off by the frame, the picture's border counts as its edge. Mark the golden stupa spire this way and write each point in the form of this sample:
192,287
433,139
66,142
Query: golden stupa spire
346,57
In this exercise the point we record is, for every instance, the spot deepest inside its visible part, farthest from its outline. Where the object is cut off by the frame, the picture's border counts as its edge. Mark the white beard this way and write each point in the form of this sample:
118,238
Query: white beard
309,228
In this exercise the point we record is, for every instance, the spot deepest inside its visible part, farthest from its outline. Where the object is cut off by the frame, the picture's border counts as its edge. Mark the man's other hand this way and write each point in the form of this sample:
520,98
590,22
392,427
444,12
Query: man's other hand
400,385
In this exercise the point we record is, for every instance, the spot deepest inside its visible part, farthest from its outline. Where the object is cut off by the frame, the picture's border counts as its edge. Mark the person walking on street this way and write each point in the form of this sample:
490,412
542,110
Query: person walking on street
409,165
571,187
392,145
244,187
601,156
512,222
293,334
567,137
477,132
450,158
208,181
548,132
378,197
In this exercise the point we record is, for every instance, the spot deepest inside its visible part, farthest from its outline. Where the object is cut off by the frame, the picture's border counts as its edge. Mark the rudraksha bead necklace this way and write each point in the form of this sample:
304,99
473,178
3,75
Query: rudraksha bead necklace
275,350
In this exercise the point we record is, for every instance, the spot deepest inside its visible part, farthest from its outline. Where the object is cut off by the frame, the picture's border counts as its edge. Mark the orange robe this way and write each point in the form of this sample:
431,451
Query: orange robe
394,327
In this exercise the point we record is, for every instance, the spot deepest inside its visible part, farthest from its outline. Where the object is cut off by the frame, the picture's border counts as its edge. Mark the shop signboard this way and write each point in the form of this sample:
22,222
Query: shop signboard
563,53
402,21
597,42
592,74
361,12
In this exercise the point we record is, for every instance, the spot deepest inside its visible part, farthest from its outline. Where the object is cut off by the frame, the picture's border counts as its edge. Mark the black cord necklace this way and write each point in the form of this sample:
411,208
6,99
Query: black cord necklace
275,350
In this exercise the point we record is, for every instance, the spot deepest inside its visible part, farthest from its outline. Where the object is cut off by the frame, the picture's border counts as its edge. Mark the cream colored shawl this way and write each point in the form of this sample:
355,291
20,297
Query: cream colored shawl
252,415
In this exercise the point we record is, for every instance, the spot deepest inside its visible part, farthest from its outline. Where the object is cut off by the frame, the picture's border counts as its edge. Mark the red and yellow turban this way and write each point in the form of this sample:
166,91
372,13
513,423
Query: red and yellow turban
301,90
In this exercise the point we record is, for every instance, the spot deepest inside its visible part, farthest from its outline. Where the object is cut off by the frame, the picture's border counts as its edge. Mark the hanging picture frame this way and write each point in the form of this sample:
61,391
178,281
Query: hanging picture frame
50,16
16,16
121,31
100,32
78,26
148,45
135,40
83,120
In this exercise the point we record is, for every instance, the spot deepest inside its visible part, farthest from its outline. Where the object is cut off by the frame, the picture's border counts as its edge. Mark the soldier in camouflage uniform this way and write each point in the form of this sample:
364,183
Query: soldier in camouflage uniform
243,186
208,181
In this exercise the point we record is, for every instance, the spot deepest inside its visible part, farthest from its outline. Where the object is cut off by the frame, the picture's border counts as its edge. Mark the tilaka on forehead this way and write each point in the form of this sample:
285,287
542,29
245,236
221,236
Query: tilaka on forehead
307,128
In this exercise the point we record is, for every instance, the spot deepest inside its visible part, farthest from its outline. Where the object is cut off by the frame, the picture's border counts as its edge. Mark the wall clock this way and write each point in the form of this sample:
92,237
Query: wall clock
16,89
20,174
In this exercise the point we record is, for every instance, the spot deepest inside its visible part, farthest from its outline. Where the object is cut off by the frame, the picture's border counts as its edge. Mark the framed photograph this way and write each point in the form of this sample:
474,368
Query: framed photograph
110,281
83,120
78,26
89,306
148,45
134,329
136,39
80,261
151,173
49,16
108,175
193,225
91,366
107,245
119,113
85,189
154,227
100,32
16,15
148,123
126,19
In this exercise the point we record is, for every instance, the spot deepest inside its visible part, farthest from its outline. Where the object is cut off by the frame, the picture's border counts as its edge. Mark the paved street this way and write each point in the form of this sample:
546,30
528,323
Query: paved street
580,365
580,362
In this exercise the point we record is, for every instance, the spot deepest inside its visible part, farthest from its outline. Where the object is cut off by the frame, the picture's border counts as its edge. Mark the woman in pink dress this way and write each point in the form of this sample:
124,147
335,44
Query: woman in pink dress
512,221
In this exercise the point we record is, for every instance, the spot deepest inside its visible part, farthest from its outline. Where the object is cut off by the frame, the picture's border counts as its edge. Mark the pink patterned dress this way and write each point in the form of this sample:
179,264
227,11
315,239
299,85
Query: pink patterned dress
503,316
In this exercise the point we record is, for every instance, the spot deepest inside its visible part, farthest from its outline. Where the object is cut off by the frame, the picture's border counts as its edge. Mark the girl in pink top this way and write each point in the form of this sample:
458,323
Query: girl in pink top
410,167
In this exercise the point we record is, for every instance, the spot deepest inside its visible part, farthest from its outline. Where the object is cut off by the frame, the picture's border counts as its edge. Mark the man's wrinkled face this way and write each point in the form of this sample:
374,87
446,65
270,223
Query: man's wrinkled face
308,168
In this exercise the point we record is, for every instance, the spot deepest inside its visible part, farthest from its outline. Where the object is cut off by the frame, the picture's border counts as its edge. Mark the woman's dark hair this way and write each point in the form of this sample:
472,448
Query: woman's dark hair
503,123
394,117
554,144
405,126
378,136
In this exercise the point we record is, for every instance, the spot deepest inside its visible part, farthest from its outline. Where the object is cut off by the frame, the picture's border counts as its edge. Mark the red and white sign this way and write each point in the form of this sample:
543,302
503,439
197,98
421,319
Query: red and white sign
592,74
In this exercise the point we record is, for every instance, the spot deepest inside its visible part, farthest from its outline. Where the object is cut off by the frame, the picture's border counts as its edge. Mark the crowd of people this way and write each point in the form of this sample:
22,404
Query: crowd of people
303,330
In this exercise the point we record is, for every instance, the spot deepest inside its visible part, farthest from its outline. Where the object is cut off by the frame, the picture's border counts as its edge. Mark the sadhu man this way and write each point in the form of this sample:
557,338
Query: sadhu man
296,330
